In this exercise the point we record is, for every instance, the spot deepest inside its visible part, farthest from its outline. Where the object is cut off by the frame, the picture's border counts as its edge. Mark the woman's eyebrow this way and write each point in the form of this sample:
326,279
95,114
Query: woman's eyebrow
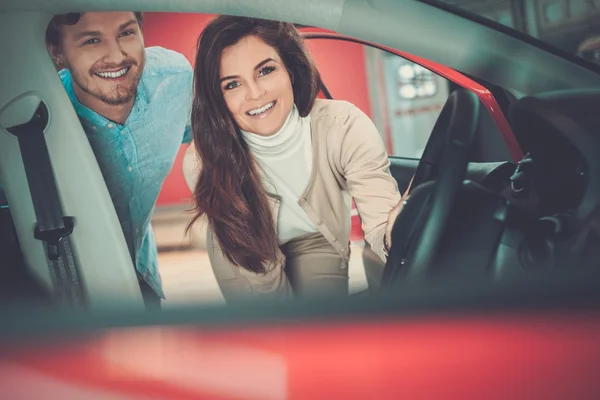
260,64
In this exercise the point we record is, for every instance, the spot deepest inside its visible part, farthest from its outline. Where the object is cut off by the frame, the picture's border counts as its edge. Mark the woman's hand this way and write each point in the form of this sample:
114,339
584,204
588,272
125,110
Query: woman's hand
393,214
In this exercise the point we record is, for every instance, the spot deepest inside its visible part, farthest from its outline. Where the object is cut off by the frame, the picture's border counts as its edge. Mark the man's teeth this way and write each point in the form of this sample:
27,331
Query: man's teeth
117,74
262,109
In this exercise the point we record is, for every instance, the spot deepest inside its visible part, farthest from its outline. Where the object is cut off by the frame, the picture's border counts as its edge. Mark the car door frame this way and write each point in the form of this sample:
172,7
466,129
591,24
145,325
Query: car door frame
484,94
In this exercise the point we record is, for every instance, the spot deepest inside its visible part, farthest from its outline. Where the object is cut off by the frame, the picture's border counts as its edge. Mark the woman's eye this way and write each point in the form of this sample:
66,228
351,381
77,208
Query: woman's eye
231,85
266,71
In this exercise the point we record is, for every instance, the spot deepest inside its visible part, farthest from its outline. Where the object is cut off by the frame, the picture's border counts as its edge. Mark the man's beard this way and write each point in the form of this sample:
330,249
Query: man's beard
118,96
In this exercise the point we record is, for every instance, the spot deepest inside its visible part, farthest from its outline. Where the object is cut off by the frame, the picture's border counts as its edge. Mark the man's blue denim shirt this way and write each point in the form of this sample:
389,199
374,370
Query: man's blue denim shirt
136,157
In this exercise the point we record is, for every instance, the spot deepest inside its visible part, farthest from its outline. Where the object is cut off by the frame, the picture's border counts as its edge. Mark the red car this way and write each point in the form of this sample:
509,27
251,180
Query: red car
490,289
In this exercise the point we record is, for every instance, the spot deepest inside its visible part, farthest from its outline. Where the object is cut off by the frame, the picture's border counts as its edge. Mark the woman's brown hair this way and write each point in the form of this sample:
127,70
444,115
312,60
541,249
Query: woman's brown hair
230,190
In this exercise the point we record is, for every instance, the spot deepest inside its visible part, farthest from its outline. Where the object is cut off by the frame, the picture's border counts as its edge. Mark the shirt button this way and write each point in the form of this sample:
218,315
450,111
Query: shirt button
302,201
94,127
110,125
319,222
335,239
130,168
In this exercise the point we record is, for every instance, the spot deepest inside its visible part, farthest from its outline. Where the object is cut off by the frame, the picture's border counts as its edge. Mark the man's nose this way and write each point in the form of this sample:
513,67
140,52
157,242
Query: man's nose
115,54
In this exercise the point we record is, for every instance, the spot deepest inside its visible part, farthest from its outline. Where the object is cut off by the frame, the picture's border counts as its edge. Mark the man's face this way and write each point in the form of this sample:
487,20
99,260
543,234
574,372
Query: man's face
104,51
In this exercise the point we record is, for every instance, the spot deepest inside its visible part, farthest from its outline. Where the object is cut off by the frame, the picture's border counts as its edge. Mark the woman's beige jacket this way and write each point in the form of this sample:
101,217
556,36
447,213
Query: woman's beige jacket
349,161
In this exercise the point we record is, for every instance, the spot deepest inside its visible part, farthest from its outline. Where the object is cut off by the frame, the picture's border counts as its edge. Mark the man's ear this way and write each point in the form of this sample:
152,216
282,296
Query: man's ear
56,56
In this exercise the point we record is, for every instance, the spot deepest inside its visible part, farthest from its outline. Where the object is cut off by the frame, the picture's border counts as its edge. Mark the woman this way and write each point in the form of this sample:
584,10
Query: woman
275,169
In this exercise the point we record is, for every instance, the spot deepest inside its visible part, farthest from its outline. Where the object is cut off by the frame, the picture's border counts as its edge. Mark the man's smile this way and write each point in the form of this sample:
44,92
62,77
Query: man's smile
113,75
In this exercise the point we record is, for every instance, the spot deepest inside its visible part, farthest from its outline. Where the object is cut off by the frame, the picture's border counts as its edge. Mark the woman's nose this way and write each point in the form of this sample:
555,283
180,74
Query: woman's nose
255,91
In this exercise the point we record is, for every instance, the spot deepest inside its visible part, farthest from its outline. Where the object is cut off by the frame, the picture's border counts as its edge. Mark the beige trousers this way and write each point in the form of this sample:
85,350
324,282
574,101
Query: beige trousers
315,268
311,268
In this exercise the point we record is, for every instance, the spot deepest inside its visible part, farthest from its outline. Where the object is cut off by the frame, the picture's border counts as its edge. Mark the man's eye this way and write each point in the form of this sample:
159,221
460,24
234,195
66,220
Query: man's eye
91,41
231,85
266,71
128,33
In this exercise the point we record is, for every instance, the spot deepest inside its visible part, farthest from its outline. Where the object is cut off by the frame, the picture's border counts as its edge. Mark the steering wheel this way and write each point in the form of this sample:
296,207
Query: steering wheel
438,179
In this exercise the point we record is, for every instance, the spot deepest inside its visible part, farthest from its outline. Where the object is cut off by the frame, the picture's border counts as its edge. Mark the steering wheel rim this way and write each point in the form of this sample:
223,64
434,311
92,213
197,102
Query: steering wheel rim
444,161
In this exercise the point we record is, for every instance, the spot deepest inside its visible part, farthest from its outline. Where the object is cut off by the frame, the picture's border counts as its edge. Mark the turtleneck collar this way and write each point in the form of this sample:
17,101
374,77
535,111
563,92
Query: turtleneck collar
288,136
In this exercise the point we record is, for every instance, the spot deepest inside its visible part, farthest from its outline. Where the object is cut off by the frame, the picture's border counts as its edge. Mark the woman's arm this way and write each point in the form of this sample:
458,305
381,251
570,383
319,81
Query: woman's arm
365,165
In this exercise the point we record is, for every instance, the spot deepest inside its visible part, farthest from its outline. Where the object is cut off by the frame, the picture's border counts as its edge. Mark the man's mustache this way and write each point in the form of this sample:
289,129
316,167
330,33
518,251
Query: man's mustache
112,67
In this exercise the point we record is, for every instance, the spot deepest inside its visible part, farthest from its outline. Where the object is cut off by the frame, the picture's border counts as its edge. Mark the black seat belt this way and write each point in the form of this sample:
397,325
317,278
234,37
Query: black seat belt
53,228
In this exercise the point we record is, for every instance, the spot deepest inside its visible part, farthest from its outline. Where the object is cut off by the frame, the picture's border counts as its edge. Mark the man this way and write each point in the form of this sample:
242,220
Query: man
134,104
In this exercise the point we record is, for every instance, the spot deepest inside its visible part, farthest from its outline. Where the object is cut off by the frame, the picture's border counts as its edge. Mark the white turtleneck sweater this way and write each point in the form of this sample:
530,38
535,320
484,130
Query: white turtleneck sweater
286,158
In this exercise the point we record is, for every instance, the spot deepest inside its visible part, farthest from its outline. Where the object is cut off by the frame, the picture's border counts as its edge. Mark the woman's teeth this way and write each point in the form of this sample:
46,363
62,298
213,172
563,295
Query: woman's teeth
261,109
113,75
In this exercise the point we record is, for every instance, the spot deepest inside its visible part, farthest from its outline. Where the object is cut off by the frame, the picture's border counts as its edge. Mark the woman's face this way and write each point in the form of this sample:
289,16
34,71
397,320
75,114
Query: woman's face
256,86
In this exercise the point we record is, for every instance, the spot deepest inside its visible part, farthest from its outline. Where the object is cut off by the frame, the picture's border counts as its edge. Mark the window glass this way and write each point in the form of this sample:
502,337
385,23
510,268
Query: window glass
402,98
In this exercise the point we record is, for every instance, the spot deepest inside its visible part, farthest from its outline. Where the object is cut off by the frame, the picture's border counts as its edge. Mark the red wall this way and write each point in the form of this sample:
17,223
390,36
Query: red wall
341,64
342,68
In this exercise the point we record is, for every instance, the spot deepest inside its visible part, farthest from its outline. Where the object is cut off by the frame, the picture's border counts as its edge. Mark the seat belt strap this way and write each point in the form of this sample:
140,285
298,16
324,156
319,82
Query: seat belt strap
52,227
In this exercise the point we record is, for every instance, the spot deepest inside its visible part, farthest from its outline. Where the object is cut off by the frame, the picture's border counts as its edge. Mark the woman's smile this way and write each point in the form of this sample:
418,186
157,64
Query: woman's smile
262,112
